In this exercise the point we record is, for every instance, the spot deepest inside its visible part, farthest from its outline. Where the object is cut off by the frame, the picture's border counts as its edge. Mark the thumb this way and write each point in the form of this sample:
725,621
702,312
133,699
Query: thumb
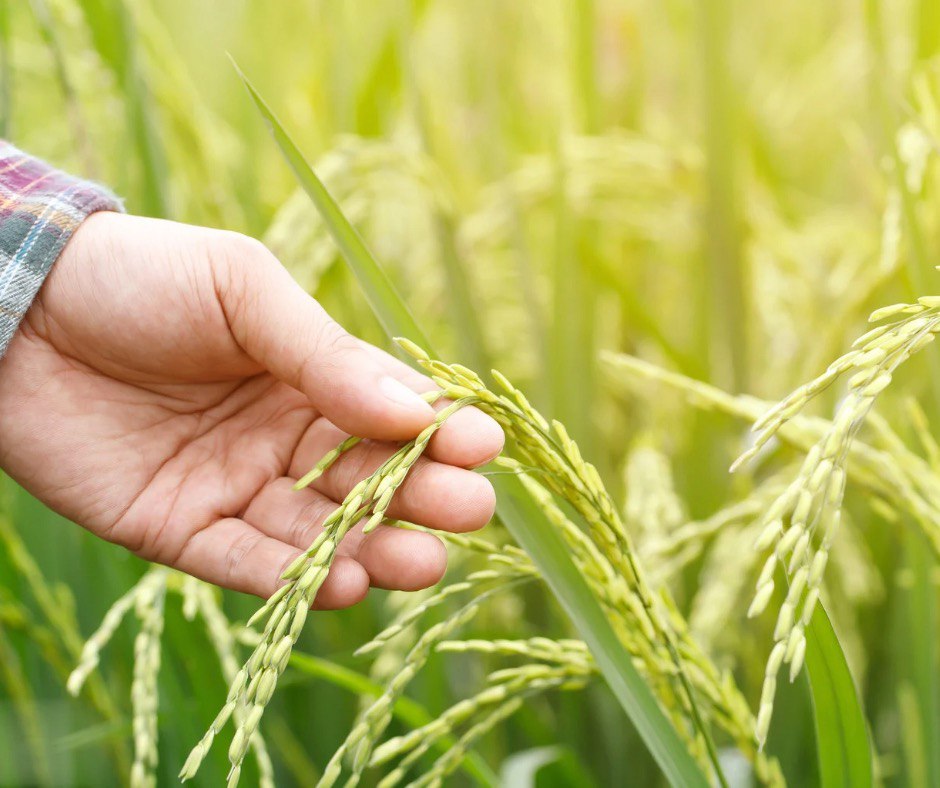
288,333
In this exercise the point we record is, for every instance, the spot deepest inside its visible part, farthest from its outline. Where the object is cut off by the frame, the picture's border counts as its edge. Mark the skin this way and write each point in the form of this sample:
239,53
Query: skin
170,383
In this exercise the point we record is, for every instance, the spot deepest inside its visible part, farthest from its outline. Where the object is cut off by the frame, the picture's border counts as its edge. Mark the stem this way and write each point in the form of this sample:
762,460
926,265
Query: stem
725,309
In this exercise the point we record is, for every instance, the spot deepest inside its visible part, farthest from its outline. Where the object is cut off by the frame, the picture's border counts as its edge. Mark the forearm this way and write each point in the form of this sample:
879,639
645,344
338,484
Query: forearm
40,208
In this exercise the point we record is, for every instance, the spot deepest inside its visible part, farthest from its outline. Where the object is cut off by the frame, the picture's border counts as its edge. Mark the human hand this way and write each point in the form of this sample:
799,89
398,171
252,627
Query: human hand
171,382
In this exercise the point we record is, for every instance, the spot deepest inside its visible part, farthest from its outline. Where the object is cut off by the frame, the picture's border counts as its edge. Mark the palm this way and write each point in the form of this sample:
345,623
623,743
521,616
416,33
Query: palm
132,402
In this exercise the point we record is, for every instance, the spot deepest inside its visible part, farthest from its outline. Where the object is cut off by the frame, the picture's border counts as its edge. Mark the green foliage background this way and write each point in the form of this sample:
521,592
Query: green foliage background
723,188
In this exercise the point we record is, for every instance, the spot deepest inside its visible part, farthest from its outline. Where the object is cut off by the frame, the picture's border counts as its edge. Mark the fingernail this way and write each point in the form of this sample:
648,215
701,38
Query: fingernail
401,395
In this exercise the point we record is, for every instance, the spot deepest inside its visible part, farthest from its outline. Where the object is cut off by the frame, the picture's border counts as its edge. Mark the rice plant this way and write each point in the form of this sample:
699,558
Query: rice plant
655,221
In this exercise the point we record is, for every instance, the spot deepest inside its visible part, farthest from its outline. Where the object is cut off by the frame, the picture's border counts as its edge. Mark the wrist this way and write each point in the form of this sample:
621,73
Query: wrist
42,209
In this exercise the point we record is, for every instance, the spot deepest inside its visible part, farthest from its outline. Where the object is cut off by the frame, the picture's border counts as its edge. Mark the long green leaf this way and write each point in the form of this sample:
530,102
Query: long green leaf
544,545
842,743
388,305
524,519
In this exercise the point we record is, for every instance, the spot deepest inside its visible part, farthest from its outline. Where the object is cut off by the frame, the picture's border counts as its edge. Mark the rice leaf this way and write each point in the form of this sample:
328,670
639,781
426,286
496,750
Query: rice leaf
524,519
527,524
384,299
842,742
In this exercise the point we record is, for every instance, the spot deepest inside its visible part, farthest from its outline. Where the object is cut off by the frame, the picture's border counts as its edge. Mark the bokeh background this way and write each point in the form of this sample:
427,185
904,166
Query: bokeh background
722,188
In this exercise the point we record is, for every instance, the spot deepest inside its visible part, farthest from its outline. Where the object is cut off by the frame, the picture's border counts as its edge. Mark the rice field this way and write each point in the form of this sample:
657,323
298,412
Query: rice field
682,252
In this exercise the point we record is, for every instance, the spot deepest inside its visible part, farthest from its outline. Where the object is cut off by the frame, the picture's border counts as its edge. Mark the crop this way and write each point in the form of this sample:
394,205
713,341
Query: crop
655,221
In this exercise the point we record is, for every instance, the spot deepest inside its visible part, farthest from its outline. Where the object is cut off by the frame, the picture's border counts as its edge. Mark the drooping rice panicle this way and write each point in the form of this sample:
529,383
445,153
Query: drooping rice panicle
373,722
148,606
801,524
498,690
607,553
485,579
286,611
904,478
91,652
448,762
565,651
146,600
499,699
223,642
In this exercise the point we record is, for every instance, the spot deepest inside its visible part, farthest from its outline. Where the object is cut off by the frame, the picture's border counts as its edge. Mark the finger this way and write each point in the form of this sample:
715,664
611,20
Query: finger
433,494
292,336
233,554
401,560
469,438
347,584
393,558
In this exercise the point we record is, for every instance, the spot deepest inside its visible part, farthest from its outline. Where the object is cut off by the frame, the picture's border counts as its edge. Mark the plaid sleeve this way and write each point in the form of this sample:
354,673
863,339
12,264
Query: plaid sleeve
40,208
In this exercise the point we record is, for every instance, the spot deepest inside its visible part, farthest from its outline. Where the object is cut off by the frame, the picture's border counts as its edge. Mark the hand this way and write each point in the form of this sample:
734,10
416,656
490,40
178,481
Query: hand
171,382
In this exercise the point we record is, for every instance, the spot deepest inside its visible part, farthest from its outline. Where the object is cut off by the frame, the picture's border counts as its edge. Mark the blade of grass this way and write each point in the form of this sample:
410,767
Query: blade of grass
525,520
387,304
842,743
543,544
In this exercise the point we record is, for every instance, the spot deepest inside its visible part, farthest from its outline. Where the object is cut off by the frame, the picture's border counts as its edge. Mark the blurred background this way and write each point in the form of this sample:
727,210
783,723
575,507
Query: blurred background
722,188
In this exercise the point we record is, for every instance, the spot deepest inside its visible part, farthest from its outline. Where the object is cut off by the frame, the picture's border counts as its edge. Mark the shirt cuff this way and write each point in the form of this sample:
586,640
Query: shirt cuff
40,208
